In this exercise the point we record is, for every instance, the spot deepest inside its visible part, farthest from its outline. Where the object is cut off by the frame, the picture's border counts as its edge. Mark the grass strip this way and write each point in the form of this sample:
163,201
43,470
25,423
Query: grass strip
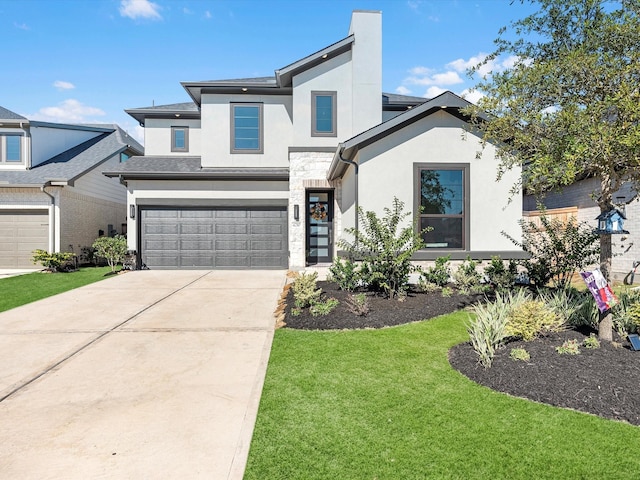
386,404
22,289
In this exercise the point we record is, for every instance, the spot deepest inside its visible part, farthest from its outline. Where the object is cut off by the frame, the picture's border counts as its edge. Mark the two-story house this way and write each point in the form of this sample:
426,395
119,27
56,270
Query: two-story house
53,195
268,172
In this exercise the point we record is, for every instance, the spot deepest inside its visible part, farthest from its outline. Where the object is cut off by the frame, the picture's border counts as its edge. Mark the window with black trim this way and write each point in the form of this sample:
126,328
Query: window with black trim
323,114
11,149
179,139
246,128
442,199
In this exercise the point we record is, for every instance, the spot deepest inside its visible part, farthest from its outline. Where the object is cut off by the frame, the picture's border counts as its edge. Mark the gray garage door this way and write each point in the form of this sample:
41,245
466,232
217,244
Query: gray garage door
214,238
21,232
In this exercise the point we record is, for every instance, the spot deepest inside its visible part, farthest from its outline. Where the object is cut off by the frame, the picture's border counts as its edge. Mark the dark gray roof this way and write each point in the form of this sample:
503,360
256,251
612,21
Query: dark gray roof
189,167
182,110
9,115
447,101
394,99
73,163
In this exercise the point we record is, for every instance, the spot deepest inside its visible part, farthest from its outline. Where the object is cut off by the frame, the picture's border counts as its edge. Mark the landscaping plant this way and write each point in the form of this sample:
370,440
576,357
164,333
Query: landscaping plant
519,354
466,277
53,262
323,307
305,291
569,347
499,276
358,304
440,273
487,329
113,249
532,318
345,274
385,247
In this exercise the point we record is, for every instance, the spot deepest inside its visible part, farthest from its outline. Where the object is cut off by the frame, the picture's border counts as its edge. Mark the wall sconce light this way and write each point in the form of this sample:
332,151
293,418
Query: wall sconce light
132,211
296,212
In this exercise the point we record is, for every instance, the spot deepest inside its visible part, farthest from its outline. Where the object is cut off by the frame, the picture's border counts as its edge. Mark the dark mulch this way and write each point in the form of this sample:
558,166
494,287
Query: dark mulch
383,312
604,381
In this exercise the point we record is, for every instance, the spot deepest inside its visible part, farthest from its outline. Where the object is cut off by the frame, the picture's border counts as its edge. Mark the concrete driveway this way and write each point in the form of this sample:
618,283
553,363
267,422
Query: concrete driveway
146,375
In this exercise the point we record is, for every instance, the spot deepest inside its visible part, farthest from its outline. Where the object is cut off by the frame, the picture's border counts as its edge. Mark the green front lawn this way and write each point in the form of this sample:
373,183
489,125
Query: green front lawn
385,404
28,288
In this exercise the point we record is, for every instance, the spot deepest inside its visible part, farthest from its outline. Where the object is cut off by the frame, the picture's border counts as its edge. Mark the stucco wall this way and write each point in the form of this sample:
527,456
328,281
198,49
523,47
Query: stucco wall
157,136
387,170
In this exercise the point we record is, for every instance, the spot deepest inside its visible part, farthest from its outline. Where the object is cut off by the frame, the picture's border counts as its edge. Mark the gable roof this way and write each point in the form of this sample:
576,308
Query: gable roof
11,116
188,110
448,101
71,164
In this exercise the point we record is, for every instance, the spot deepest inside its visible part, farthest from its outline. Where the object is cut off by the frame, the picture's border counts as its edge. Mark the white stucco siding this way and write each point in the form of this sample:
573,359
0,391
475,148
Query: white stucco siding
334,75
157,136
49,142
277,131
387,170
94,184
202,193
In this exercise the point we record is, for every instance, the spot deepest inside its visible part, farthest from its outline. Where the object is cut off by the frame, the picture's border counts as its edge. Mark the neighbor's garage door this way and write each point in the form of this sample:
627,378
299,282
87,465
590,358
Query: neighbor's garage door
214,238
21,232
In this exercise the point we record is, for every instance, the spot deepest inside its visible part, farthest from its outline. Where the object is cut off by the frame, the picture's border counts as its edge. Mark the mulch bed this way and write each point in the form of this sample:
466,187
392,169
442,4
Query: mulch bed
603,381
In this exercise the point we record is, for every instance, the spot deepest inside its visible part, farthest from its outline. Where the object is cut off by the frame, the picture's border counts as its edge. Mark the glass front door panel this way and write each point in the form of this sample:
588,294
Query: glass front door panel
319,227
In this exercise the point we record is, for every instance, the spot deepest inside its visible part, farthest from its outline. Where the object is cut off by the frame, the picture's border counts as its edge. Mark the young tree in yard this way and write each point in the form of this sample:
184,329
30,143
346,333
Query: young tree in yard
113,249
569,107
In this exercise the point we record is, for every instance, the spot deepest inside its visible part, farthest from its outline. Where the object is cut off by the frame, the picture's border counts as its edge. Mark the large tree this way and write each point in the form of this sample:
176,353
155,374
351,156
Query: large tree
569,107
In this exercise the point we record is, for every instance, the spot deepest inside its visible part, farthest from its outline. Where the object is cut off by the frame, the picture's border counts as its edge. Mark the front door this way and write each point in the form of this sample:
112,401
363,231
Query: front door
319,227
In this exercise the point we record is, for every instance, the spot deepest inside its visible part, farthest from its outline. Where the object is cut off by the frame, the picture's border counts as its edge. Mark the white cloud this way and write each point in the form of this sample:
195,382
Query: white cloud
403,90
471,95
21,26
61,85
434,92
461,65
446,78
68,111
186,11
140,9
207,14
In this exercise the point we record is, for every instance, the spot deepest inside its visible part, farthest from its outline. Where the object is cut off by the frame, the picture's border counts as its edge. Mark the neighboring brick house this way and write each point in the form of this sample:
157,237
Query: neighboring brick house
268,172
578,200
52,193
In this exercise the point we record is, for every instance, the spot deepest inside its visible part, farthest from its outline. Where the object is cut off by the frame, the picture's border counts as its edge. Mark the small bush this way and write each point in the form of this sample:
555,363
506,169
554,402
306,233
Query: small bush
295,312
466,276
426,287
591,342
358,304
446,292
345,274
440,273
531,319
323,308
569,347
305,291
567,303
626,313
519,354
113,249
487,329
51,261
501,277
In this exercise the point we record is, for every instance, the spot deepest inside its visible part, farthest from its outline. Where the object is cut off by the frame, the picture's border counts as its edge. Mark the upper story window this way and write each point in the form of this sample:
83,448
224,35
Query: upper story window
323,114
246,128
11,149
443,193
179,139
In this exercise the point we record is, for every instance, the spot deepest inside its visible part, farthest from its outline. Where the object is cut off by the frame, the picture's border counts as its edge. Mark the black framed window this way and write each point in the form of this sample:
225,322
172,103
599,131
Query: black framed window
442,198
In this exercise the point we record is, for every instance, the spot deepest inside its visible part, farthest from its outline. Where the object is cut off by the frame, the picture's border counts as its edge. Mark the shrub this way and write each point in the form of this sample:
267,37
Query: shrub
426,287
557,249
567,303
53,262
487,329
323,308
532,318
569,347
358,304
499,276
519,354
466,276
305,291
626,313
440,273
385,248
446,292
345,274
113,249
591,342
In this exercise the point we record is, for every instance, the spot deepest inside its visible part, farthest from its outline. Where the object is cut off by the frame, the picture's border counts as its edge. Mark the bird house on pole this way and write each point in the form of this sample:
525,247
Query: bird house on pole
611,222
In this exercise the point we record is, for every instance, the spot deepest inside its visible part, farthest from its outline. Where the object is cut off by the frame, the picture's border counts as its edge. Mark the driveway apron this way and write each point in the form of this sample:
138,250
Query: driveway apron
146,375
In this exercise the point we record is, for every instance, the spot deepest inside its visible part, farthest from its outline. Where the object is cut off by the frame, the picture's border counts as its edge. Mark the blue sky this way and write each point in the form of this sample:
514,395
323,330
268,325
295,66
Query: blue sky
86,61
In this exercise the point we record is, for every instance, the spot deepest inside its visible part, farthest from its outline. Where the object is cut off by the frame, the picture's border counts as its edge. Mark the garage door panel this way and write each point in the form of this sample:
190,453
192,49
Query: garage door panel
215,238
21,232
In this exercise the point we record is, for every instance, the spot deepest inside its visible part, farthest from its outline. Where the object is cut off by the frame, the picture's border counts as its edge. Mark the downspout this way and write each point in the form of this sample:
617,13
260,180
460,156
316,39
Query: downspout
356,168
52,219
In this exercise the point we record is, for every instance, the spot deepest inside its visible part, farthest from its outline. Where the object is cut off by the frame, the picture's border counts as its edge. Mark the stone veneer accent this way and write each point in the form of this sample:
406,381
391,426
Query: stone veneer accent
308,170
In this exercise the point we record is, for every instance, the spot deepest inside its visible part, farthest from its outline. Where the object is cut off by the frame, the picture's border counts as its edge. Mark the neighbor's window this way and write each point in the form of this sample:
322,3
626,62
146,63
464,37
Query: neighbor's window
246,128
323,114
179,139
10,149
442,193
124,157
